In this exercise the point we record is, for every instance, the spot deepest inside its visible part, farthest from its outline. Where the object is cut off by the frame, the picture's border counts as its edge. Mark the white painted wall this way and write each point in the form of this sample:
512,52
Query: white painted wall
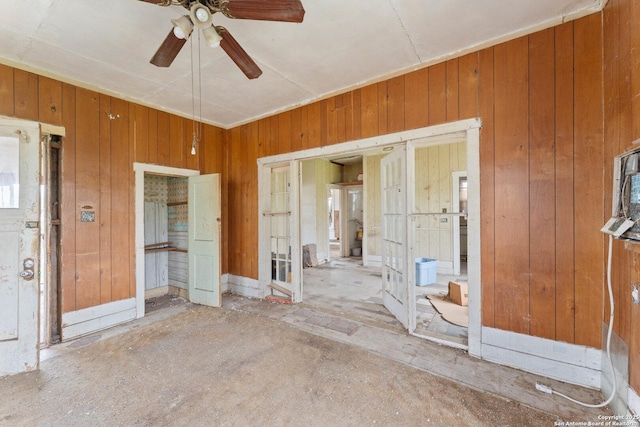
314,210
372,251
433,188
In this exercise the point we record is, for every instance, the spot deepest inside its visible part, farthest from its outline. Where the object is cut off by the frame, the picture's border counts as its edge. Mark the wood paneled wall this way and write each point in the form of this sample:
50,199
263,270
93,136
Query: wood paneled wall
547,142
104,136
542,168
622,126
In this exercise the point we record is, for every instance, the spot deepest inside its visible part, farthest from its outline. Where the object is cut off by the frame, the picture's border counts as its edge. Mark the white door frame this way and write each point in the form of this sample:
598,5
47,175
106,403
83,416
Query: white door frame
339,225
140,169
471,128
455,188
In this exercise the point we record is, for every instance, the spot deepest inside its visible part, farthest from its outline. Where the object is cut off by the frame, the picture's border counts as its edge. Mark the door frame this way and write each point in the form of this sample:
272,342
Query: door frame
455,197
340,188
46,132
140,169
472,138
471,130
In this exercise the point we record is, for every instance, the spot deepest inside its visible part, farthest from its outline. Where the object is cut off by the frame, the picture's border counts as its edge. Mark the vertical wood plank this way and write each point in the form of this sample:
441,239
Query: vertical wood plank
314,125
383,108
634,342
163,145
396,104
349,124
542,183
416,95
7,100
152,149
235,201
331,113
369,111
68,200
252,187
87,198
140,132
26,95
564,192
284,134
468,86
588,159
105,199
264,132
50,101
176,135
274,135
296,130
487,187
192,160
512,182
622,325
612,100
634,59
452,90
121,211
437,94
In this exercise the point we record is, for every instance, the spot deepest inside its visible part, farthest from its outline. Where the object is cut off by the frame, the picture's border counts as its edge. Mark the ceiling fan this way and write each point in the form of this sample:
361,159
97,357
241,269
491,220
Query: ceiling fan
200,16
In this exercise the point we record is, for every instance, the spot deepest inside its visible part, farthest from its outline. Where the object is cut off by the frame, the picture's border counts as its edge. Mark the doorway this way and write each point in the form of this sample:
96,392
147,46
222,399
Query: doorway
466,131
166,240
202,205
334,203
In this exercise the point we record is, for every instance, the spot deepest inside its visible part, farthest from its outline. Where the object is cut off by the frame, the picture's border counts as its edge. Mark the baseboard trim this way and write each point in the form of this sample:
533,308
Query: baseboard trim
88,320
245,287
561,361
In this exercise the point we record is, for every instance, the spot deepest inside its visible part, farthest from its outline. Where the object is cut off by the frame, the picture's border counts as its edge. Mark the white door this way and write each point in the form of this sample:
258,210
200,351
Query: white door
19,245
204,240
395,278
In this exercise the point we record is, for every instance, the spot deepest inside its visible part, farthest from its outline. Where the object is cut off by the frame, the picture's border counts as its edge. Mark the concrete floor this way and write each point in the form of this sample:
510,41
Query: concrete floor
252,362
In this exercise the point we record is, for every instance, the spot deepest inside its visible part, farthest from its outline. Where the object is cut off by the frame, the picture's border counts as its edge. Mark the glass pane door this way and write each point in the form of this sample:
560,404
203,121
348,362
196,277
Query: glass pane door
280,225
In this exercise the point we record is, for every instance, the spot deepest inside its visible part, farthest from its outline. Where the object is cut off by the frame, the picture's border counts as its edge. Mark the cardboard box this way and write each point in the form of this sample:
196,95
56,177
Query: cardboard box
459,293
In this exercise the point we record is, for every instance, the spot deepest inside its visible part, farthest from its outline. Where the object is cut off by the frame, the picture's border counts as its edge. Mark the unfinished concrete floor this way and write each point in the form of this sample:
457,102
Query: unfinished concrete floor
257,363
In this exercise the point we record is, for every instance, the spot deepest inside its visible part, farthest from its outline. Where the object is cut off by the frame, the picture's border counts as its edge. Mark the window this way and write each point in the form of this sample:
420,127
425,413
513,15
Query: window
9,172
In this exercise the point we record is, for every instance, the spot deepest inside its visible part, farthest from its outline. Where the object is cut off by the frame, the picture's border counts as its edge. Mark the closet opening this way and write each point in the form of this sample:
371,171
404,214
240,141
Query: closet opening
166,241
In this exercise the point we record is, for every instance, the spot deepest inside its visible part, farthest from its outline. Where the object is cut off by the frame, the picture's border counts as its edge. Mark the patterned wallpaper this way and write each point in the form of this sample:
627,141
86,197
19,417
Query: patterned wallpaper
178,190
155,188
163,189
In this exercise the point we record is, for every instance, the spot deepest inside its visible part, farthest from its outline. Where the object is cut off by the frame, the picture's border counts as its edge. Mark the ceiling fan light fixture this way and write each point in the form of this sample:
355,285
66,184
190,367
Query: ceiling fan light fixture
182,27
200,16
211,36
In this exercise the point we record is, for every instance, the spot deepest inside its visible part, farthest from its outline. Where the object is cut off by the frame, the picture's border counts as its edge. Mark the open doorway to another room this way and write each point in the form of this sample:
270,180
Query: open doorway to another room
351,283
438,215
433,228
334,197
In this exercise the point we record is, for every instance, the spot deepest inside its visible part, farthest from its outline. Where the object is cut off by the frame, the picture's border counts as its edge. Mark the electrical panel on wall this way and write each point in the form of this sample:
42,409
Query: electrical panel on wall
624,222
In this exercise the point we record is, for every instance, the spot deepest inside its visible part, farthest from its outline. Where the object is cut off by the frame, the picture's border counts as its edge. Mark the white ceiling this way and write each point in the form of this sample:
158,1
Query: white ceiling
106,45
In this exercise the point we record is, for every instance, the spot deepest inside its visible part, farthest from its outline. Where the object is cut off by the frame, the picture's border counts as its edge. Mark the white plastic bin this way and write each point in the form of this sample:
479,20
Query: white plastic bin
426,271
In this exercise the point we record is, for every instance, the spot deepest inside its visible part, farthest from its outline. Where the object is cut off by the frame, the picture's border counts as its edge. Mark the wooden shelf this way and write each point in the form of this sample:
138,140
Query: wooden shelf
149,251
177,203
349,183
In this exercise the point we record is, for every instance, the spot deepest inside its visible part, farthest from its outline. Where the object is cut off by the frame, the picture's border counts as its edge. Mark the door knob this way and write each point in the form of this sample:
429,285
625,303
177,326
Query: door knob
26,274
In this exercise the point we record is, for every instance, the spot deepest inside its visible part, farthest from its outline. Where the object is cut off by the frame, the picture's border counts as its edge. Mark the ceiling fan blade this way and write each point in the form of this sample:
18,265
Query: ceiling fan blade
265,10
168,50
238,54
